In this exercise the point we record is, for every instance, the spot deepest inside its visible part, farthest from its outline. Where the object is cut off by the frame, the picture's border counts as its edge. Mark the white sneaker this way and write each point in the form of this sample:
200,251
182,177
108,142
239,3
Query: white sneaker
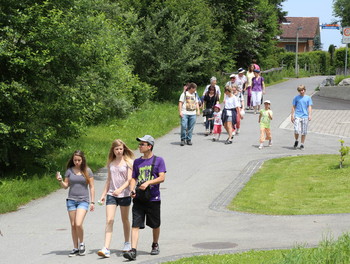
104,252
127,246
261,146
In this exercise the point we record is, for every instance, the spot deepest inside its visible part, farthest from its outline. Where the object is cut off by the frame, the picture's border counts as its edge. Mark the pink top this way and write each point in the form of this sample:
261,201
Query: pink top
119,175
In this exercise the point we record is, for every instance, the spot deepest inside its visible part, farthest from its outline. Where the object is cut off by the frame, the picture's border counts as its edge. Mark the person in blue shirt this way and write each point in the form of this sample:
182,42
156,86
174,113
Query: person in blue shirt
301,115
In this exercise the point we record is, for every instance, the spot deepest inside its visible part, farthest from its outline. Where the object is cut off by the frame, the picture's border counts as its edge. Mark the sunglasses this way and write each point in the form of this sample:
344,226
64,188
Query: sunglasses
143,144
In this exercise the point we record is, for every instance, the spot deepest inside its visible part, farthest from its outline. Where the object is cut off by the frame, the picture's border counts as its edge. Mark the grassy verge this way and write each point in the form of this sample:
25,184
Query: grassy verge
311,184
155,119
328,251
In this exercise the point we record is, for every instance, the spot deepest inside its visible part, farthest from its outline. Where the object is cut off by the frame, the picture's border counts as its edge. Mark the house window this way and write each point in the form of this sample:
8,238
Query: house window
291,47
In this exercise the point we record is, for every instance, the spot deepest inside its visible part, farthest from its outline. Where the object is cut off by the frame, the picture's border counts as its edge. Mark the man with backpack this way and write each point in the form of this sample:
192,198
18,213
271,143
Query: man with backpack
188,109
147,174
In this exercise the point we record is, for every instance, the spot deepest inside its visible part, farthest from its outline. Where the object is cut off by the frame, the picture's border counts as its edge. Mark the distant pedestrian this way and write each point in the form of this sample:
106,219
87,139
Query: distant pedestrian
217,122
213,83
301,115
256,66
241,81
265,118
188,111
229,114
232,80
250,76
240,113
210,99
79,179
148,172
258,89
119,165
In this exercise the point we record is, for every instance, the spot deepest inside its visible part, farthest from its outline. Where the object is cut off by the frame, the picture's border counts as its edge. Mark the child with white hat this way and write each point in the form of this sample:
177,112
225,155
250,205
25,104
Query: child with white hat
265,118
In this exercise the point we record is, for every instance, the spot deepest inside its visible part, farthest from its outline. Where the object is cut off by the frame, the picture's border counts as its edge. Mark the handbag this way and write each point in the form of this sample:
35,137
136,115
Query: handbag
207,111
144,195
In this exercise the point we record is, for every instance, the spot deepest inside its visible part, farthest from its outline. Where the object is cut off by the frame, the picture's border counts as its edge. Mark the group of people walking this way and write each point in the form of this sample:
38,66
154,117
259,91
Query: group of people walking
128,181
252,84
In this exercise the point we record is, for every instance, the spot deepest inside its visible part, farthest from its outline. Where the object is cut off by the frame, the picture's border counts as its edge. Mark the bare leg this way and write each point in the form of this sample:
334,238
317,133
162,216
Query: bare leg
296,136
156,233
303,139
79,219
73,229
110,214
134,236
124,212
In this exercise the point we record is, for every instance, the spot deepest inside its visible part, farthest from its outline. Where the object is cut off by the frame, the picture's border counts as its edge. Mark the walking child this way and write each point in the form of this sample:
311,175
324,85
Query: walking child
265,118
119,165
79,179
217,122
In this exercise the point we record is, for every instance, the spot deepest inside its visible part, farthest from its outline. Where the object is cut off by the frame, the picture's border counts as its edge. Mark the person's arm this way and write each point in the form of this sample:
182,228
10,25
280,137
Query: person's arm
310,112
263,85
197,107
292,114
105,189
63,183
180,109
259,118
155,181
92,193
270,114
125,184
132,187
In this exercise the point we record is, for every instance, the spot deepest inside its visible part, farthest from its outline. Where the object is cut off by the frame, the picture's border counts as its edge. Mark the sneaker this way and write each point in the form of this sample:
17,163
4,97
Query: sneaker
227,142
104,252
206,132
82,249
270,143
74,252
182,143
237,131
127,246
302,147
155,249
130,255
261,146
214,139
296,144
189,142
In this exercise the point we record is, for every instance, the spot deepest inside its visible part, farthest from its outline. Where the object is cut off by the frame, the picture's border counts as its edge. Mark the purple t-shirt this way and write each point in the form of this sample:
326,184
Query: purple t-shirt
142,169
257,84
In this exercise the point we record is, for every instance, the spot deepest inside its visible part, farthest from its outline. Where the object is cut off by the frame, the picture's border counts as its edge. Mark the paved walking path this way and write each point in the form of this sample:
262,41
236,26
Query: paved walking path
201,180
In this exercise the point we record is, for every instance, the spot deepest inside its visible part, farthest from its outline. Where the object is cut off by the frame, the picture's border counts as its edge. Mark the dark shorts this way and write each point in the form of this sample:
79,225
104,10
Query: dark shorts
125,201
149,211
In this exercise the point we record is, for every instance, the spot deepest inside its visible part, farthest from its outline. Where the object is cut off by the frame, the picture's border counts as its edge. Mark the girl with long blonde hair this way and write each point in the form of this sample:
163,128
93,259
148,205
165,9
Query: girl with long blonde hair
119,165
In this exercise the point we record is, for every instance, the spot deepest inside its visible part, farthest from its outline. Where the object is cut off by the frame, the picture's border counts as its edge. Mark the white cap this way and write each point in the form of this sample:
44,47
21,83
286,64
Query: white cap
267,101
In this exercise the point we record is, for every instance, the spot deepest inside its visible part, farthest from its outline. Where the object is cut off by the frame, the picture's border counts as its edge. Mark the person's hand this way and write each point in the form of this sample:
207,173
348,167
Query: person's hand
263,91
292,118
133,194
309,118
144,185
198,113
58,176
181,115
92,207
117,192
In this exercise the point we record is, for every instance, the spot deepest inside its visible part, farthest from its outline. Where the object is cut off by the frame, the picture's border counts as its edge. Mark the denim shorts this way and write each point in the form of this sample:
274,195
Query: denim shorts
73,205
111,200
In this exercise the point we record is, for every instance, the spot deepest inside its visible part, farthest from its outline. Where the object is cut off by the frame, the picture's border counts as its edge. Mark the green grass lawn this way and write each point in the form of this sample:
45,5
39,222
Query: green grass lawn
329,251
299,185
156,119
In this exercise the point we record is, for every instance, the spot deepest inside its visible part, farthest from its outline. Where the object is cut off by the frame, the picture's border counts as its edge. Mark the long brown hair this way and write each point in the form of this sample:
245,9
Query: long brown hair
83,166
128,155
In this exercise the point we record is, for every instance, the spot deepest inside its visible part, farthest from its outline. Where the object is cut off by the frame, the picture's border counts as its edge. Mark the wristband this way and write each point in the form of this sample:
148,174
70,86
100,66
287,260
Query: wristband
92,203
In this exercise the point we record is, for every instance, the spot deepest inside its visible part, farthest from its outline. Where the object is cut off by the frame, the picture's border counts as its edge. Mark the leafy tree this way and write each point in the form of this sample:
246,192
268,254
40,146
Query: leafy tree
341,9
63,65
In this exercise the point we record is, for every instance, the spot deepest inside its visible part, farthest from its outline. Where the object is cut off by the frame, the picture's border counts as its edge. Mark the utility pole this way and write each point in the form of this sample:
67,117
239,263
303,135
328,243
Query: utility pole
296,53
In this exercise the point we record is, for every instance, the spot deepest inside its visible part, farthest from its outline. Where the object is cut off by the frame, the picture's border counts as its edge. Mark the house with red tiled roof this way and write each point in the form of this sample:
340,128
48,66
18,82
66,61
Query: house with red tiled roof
305,29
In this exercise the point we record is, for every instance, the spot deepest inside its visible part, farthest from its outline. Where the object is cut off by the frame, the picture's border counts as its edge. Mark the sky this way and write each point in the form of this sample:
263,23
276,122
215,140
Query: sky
323,9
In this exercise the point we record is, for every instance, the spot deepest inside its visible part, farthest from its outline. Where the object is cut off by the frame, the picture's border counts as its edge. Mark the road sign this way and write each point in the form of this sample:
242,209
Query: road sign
330,26
346,35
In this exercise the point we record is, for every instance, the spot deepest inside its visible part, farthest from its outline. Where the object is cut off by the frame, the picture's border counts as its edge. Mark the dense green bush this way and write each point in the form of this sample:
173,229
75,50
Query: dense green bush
61,65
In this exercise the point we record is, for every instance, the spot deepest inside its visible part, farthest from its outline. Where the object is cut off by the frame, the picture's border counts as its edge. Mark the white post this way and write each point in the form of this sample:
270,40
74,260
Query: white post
296,54
346,60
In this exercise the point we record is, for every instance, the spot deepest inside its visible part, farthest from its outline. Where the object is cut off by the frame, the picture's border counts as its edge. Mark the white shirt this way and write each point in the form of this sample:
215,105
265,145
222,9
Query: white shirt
217,89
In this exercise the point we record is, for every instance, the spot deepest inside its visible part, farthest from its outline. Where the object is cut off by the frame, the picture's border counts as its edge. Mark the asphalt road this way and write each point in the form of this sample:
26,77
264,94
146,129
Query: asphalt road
200,181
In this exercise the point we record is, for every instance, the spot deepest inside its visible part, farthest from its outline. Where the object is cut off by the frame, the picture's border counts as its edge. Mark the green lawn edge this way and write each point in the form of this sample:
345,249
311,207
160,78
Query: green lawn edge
156,119
297,185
